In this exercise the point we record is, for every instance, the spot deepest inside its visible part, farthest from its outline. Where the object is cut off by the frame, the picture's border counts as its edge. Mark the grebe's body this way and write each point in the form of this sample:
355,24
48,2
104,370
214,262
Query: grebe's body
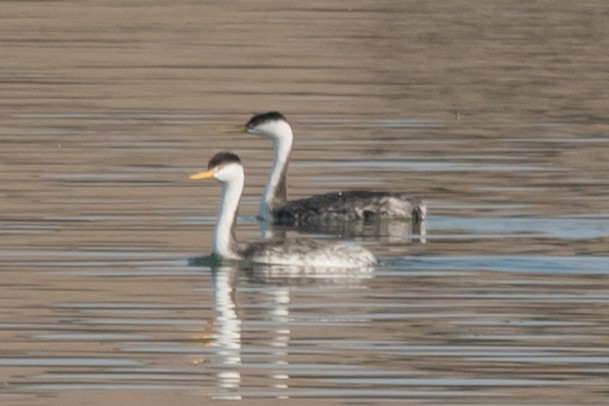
226,167
320,209
348,206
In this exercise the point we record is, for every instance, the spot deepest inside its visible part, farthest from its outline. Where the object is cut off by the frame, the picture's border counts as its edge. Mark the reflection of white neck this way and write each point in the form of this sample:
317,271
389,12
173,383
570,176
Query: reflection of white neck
280,316
224,242
228,332
275,190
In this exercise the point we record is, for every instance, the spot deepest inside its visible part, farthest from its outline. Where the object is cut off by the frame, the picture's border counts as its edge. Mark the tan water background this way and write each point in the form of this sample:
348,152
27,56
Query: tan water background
495,113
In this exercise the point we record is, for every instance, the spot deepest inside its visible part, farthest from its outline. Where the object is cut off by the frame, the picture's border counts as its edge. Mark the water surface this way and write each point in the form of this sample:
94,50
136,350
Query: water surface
495,115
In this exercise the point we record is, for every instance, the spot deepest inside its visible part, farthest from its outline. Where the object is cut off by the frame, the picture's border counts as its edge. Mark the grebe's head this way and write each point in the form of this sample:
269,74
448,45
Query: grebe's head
224,166
271,125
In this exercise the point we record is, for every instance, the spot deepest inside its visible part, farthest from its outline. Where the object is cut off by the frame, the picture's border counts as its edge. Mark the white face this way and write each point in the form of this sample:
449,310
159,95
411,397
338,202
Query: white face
226,172
272,129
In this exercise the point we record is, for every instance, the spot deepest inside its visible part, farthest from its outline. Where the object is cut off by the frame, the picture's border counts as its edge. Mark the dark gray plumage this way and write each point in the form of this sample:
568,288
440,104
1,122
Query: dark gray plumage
349,206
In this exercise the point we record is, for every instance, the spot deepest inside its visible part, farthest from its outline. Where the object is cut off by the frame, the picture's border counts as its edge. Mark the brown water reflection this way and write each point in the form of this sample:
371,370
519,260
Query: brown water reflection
495,114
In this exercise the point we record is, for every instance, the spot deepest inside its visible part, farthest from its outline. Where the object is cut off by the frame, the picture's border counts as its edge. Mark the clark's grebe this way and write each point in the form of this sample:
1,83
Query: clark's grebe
319,209
226,168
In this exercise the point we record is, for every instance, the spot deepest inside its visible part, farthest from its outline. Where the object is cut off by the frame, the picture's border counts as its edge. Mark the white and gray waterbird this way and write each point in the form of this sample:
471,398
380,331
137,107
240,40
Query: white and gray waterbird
226,168
318,209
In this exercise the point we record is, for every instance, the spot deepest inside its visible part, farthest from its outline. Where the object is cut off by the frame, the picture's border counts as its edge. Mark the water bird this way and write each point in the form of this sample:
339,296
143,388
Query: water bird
352,205
226,168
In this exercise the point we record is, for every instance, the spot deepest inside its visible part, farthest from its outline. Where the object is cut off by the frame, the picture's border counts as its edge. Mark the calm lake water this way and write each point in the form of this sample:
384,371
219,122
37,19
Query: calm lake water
495,114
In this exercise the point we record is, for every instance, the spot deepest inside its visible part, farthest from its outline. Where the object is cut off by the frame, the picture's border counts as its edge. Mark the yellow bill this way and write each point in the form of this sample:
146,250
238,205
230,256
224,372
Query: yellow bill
202,175
239,129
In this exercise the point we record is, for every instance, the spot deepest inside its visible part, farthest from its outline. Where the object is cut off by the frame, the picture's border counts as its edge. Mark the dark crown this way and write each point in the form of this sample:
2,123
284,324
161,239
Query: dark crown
259,119
222,158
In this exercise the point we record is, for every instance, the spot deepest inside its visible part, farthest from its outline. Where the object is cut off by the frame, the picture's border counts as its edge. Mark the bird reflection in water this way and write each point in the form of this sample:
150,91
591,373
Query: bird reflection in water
376,229
275,282
227,333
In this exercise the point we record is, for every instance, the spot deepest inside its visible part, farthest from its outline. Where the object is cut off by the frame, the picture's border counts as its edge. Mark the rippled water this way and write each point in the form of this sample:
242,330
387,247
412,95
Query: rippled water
496,115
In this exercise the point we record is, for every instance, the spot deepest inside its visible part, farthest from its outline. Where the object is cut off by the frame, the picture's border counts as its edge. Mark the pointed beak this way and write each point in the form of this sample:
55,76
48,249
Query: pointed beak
239,129
202,175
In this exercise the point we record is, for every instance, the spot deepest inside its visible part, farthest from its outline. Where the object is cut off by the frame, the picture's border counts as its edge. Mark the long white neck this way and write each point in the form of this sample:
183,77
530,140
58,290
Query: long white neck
224,241
275,190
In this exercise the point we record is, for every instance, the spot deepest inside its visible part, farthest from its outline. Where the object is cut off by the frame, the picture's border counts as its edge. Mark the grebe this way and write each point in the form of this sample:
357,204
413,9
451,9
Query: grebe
226,168
319,209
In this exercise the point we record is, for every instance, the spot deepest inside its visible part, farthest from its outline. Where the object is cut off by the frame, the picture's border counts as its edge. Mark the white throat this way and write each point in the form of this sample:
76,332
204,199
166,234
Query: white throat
275,190
223,243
